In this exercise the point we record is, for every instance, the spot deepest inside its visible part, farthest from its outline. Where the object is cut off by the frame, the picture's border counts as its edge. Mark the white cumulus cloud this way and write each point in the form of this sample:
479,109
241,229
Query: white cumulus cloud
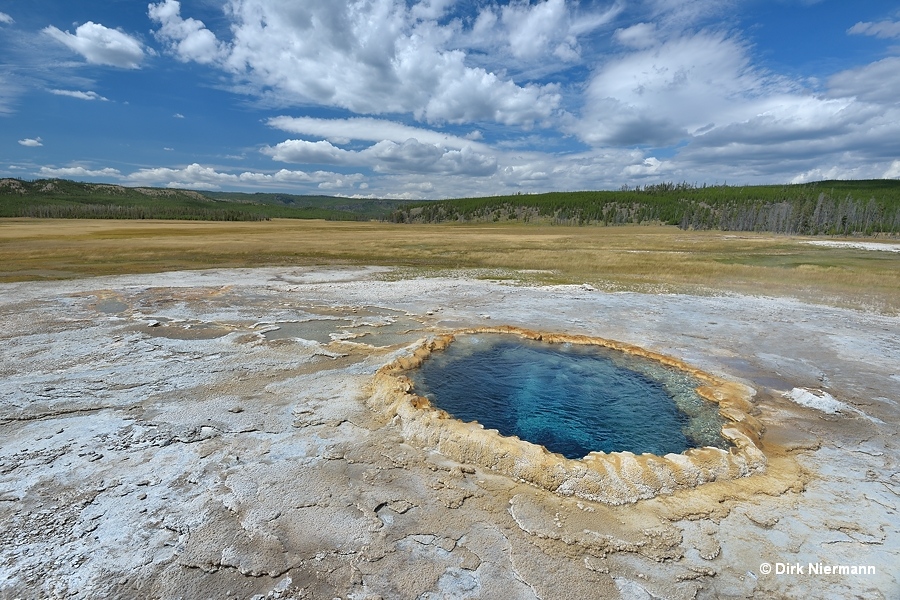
416,157
893,171
303,151
188,39
434,95
31,142
369,57
533,29
430,9
409,156
78,172
732,120
197,176
101,45
535,35
191,176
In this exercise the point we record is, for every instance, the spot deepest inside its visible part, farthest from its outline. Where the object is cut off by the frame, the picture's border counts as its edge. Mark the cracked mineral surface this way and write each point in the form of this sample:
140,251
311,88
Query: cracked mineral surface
207,435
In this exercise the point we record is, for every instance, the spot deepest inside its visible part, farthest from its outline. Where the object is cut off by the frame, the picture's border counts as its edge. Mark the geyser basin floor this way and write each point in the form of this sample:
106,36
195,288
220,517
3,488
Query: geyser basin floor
615,478
136,465
572,399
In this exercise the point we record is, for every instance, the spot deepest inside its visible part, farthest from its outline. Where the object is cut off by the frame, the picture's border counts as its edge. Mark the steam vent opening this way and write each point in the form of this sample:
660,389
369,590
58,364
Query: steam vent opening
576,415
572,399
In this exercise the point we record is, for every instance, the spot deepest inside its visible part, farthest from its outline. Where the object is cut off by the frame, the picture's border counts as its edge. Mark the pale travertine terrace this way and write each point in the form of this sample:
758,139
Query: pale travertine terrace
157,445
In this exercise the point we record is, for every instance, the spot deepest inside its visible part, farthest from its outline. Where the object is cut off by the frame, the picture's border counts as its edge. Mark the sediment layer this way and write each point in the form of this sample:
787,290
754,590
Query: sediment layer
612,478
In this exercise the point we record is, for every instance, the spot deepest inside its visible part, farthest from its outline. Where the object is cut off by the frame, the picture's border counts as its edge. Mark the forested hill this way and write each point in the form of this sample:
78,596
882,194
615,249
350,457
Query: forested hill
64,199
826,207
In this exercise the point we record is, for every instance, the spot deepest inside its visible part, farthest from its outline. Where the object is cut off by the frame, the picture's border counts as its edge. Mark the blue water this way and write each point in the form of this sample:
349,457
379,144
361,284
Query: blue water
571,399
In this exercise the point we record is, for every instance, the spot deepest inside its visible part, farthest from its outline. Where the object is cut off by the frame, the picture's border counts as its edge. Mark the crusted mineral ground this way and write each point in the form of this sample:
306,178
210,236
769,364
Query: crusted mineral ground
212,434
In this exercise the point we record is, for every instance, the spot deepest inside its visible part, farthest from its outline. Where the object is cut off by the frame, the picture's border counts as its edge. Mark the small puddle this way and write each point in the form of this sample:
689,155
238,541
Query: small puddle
178,330
325,331
316,330
111,306
761,379
401,331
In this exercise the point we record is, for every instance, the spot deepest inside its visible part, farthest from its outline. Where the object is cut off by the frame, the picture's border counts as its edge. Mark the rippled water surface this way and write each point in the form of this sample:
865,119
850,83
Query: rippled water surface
570,398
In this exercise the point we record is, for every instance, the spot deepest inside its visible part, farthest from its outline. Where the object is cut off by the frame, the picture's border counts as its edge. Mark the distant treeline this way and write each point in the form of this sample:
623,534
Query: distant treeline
113,211
64,199
828,207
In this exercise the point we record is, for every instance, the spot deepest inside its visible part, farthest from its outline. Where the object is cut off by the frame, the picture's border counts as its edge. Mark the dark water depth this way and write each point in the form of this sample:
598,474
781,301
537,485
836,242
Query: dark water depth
571,399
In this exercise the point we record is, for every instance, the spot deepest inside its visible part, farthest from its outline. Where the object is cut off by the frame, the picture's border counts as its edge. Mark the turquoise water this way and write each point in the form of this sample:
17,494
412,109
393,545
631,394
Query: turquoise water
570,398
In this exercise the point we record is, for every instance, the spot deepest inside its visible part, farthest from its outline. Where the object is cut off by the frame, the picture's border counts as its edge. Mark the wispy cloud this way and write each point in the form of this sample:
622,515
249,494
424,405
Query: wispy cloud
79,95
368,129
649,96
639,36
9,91
881,29
6,19
877,82
683,15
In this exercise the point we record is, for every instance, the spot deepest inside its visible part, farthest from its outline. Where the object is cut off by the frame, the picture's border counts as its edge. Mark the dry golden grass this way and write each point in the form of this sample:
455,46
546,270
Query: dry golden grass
661,259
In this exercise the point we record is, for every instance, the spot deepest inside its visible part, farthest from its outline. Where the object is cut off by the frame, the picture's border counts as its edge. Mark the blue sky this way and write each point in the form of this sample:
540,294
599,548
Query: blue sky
444,98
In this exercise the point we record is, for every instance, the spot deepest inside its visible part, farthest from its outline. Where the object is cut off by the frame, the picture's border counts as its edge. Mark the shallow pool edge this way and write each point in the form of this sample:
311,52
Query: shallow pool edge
612,478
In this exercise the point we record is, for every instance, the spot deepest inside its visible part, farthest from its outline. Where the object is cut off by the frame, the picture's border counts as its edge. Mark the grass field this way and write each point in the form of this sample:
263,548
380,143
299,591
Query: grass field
640,258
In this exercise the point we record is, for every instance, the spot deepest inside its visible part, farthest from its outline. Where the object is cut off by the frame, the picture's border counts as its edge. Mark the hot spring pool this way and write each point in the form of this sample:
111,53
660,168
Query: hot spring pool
570,398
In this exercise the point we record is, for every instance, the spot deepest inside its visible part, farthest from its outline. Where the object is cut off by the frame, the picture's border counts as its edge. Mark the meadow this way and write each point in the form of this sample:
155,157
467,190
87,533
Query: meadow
657,259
